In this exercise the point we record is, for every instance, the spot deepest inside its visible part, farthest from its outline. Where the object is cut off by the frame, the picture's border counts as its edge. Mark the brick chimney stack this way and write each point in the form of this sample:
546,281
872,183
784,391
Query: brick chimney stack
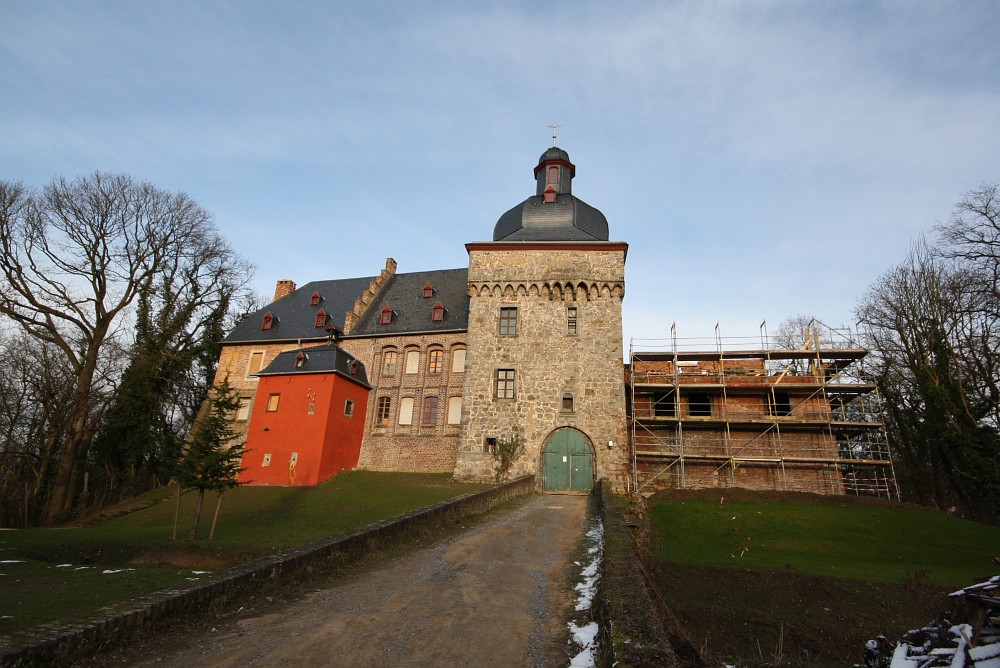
283,288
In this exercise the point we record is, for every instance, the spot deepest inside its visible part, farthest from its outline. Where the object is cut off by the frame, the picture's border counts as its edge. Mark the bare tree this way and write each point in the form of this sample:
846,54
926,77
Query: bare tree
75,256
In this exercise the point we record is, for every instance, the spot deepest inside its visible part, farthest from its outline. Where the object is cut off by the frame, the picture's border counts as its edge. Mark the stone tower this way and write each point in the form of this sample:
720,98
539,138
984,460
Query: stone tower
545,341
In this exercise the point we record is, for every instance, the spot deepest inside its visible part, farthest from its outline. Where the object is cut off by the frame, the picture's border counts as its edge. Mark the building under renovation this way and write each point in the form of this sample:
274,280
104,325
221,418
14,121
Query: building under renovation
437,370
756,413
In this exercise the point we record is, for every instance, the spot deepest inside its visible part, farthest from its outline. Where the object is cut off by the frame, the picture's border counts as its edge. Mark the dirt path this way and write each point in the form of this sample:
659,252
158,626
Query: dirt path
498,594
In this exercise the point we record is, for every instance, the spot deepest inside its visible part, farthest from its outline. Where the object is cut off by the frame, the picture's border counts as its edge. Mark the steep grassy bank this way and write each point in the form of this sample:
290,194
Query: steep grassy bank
789,579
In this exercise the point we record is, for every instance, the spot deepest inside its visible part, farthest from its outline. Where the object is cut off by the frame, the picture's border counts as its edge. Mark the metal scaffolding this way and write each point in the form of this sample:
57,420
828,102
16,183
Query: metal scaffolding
757,412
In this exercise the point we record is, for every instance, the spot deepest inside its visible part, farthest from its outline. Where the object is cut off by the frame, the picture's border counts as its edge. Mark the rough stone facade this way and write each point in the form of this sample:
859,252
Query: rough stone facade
551,361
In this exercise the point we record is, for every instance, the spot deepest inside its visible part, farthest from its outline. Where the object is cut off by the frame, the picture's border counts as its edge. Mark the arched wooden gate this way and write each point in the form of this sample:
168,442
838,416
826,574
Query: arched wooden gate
567,462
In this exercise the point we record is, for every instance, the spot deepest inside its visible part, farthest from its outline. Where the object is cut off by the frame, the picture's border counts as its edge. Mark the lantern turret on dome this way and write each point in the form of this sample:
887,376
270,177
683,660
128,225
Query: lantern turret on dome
553,213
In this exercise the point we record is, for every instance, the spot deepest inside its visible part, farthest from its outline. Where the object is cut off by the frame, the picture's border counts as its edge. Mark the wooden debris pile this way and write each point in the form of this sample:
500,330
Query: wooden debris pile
971,641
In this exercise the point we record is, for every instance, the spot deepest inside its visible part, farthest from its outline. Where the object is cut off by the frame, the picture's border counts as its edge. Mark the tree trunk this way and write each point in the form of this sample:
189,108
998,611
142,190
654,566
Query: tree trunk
197,514
177,510
218,504
63,492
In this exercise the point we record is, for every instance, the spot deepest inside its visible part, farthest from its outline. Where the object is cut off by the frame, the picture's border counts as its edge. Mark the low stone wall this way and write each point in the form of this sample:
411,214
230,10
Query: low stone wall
46,643
631,633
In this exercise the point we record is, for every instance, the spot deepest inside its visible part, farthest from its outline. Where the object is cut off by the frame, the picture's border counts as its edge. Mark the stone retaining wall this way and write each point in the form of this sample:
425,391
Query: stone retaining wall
64,640
631,633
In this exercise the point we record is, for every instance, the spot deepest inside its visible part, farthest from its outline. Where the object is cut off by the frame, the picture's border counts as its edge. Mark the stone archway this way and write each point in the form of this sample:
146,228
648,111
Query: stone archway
567,462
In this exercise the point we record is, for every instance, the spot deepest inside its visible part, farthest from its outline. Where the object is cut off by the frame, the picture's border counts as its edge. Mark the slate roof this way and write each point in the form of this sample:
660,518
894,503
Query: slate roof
568,219
318,359
295,319
411,311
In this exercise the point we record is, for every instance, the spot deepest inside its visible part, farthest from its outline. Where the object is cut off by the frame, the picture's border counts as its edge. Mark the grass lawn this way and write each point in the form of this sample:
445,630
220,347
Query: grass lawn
890,543
758,579
48,574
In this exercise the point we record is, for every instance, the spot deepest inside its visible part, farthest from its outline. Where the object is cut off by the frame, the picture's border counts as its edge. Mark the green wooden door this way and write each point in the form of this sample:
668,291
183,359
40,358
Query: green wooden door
567,462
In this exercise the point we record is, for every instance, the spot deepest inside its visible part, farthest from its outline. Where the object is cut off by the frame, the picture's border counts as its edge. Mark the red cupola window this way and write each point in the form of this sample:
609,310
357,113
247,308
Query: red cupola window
437,313
266,324
386,316
428,291
321,318
315,299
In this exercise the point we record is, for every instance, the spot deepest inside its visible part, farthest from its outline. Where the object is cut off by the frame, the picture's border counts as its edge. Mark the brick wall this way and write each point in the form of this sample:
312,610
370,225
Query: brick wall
391,446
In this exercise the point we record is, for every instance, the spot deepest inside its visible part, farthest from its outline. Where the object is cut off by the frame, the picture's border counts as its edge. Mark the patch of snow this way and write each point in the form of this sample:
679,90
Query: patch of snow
977,654
64,565
82,568
586,637
12,561
203,572
115,570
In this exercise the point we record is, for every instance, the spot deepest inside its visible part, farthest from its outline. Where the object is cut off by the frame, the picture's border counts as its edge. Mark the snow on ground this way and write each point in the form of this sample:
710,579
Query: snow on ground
944,644
585,636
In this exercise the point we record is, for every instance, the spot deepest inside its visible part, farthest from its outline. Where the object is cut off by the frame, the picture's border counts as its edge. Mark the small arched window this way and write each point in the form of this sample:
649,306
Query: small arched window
266,324
315,299
386,316
321,318
437,313
553,175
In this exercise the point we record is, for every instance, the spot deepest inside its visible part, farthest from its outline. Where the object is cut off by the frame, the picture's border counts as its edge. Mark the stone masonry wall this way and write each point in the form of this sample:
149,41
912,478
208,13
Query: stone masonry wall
549,361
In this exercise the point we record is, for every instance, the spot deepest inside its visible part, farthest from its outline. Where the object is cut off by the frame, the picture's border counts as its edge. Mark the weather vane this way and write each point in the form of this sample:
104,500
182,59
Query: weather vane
554,126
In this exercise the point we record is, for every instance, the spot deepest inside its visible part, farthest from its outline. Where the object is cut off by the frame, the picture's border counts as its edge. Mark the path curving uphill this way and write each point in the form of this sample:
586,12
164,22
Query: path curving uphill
497,594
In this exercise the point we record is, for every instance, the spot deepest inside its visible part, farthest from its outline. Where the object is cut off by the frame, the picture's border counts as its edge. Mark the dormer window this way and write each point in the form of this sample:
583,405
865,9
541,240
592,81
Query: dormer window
315,299
321,318
300,360
437,313
428,291
354,368
386,316
266,324
553,176
550,195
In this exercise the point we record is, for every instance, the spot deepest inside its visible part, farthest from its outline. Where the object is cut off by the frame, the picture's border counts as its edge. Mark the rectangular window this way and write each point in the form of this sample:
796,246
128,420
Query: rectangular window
458,360
389,363
243,412
406,410
429,416
567,403
454,410
382,410
272,402
490,445
508,321
780,403
699,404
571,321
505,383
664,404
413,361
267,460
349,408
256,360
435,361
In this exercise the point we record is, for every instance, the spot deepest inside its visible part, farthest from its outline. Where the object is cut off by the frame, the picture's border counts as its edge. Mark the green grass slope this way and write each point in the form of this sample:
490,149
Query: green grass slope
793,579
54,573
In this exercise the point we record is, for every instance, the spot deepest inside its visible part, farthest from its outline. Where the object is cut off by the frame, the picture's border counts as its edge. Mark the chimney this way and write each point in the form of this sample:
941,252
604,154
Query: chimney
284,288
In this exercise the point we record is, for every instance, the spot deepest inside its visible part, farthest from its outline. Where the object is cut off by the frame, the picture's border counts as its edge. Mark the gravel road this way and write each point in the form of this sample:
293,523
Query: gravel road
497,594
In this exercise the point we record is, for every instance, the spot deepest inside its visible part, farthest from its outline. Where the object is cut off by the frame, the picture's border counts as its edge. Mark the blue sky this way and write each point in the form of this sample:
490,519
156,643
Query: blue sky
762,159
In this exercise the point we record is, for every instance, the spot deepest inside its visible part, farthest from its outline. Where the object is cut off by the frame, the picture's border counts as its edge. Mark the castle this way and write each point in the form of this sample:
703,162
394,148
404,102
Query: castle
441,370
